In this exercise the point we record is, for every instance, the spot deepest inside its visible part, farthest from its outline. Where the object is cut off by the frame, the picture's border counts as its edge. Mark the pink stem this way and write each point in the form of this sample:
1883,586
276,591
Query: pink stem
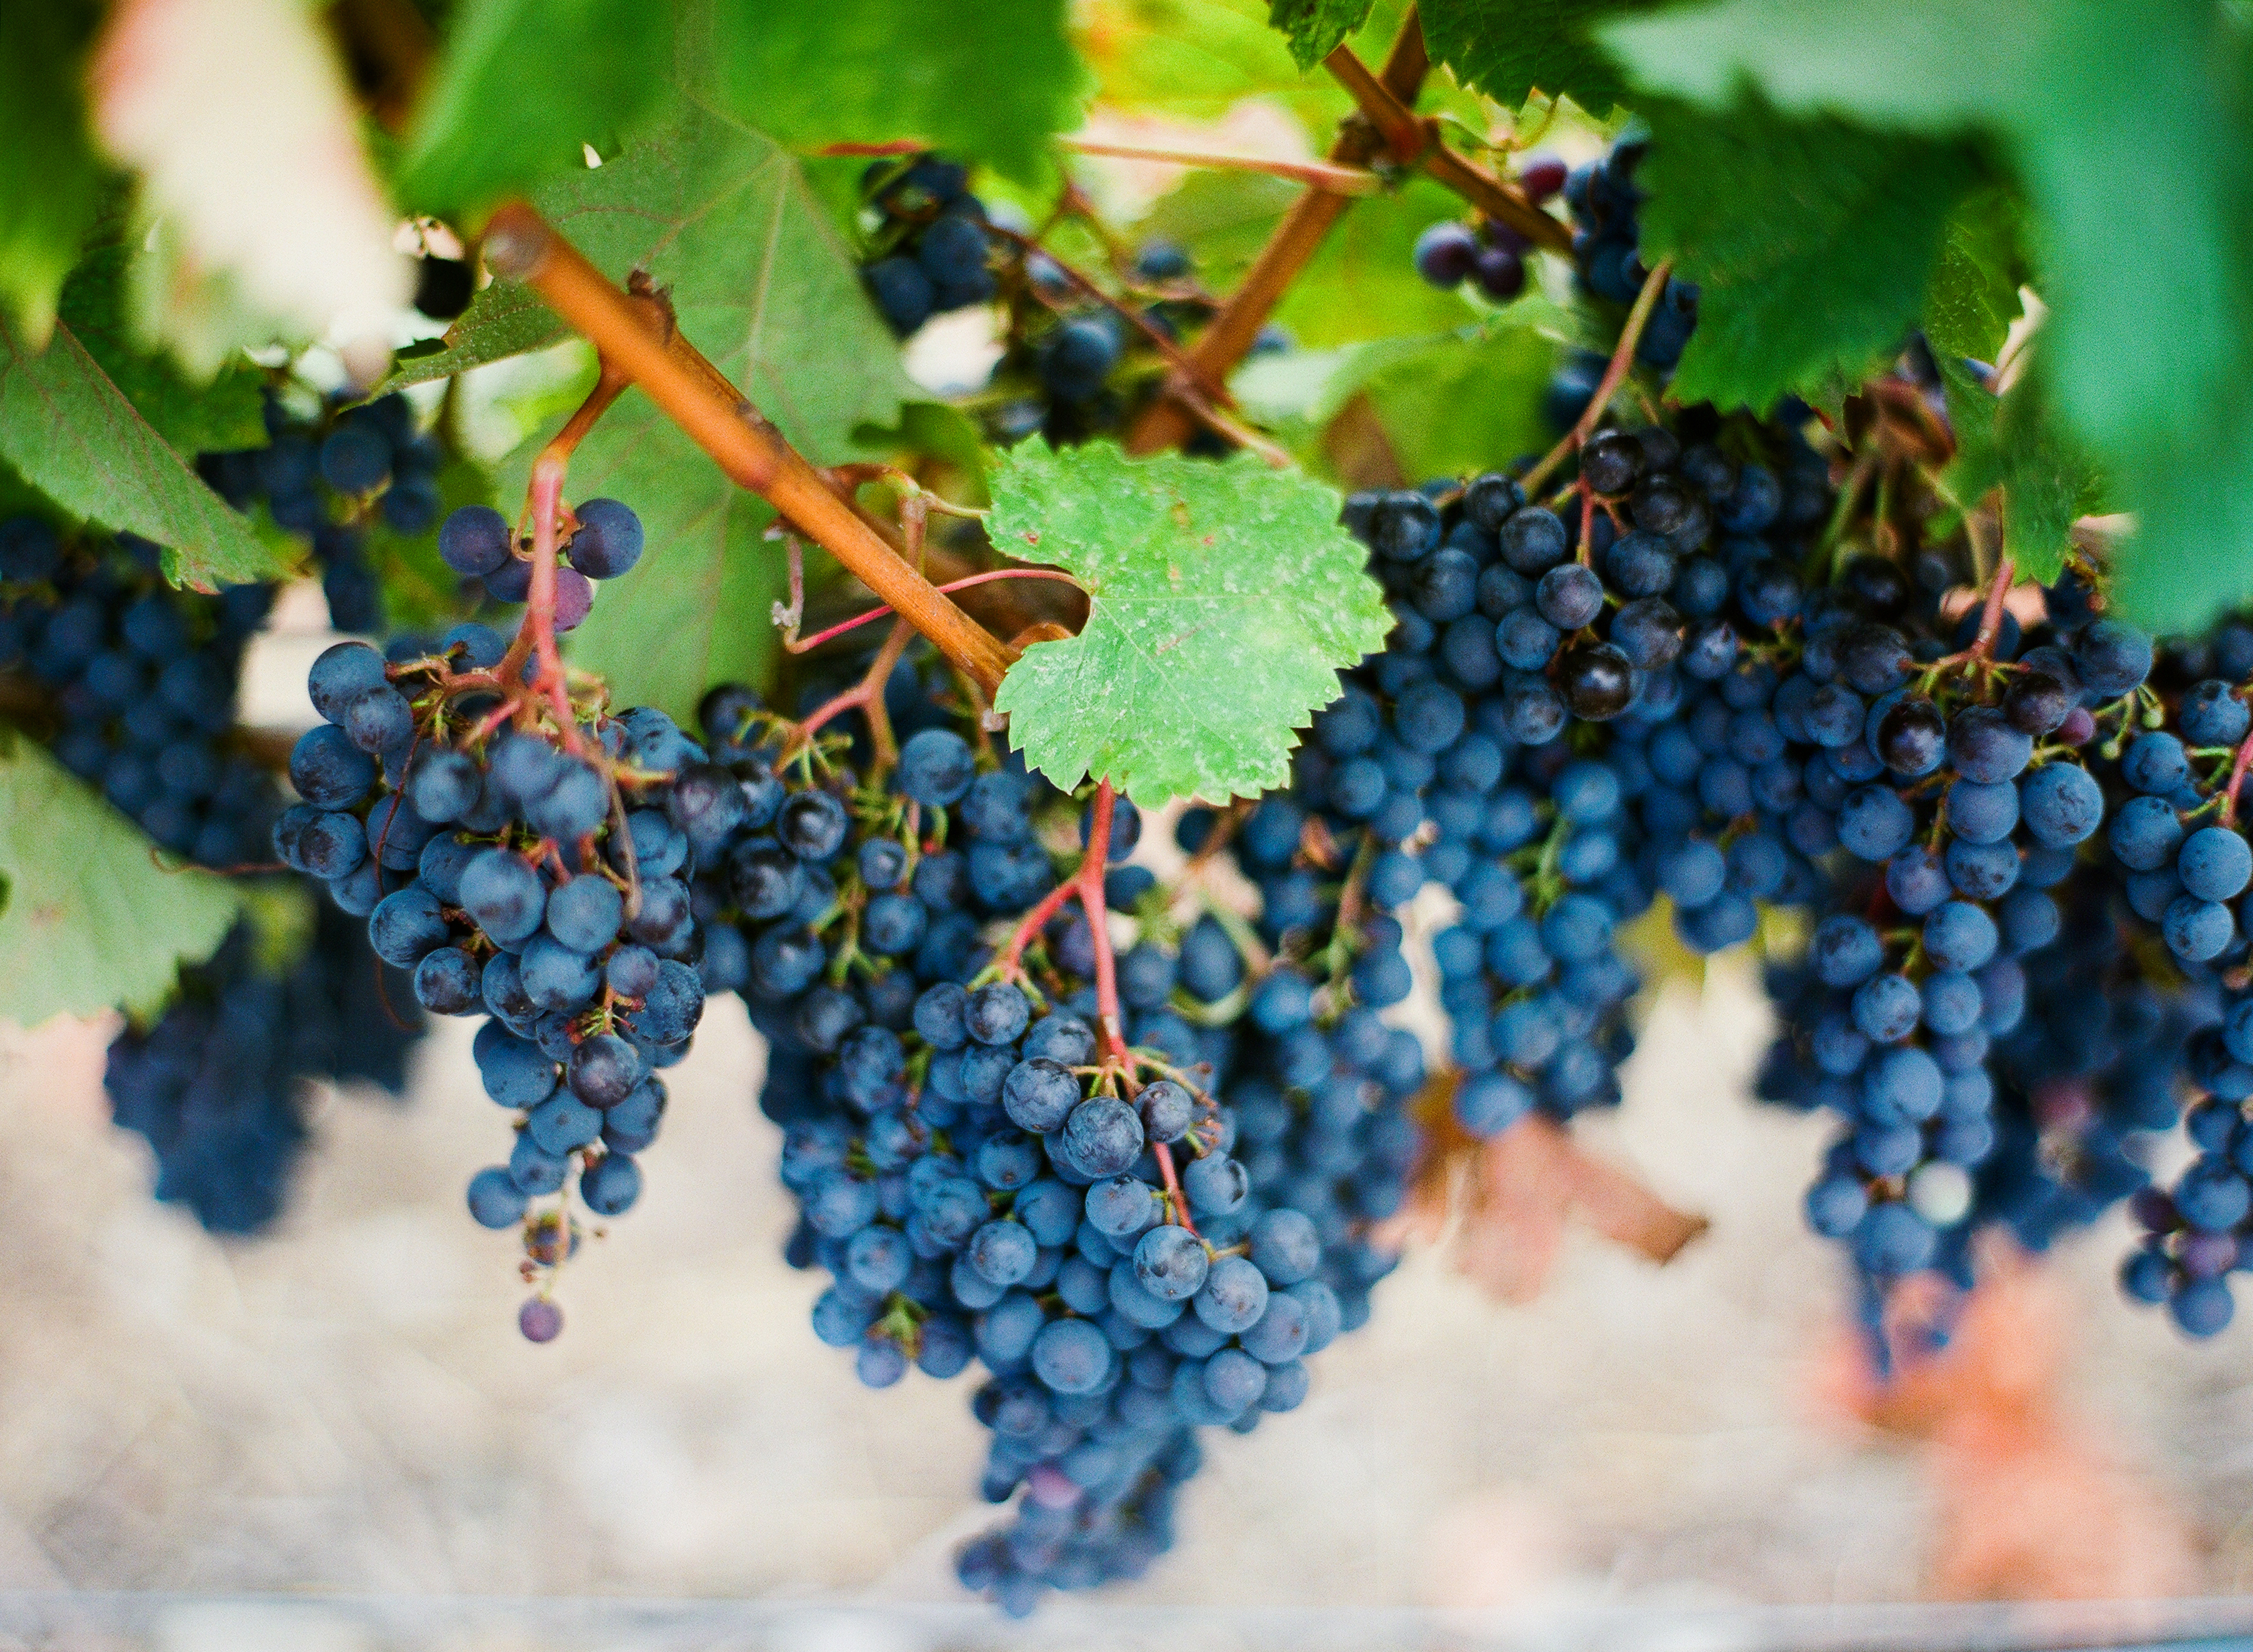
838,630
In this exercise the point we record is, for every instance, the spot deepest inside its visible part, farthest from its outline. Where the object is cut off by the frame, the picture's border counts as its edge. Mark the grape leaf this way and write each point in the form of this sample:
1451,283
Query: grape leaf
89,921
1511,49
227,412
1223,601
2013,443
513,99
504,319
987,79
1975,291
75,437
1464,408
1316,28
761,283
1812,240
51,187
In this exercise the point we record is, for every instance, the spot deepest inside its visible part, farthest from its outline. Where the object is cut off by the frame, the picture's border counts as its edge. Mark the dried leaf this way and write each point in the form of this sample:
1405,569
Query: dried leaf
1516,1192
2034,1502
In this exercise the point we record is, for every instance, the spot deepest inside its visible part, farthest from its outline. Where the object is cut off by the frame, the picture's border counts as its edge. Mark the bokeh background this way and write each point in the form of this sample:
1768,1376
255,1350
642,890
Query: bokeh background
344,1410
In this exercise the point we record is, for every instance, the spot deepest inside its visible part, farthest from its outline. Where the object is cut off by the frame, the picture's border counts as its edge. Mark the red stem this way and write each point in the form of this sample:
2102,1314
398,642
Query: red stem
1165,1157
803,645
536,635
1033,922
868,695
1991,619
1090,881
2237,768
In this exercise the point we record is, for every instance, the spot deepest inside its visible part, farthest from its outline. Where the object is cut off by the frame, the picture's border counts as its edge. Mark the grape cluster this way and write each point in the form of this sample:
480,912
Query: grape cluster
326,478
1950,793
929,249
983,1179
139,686
601,539
532,874
1491,254
215,1084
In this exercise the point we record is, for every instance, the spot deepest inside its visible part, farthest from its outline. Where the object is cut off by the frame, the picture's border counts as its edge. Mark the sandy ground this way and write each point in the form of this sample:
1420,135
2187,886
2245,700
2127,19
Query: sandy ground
345,1406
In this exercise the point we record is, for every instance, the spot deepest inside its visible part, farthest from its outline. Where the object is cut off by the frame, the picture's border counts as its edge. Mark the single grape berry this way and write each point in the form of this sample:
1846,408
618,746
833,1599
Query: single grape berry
1597,681
474,541
1611,462
609,541
1445,254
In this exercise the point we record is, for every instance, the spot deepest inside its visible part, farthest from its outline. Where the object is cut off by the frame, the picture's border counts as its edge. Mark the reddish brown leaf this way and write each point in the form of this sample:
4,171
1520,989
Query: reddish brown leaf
2034,1502
1515,1194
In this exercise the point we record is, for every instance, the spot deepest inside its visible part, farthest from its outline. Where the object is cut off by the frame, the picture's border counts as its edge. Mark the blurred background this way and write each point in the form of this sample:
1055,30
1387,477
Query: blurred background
345,1410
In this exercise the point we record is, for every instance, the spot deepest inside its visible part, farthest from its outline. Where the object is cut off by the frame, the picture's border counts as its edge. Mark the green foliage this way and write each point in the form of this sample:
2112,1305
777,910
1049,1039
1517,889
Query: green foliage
504,319
2013,443
1316,28
1457,410
1451,403
1975,291
989,80
1512,49
51,185
89,920
227,412
524,84
1222,600
1813,241
2124,126
764,285
1363,283
73,435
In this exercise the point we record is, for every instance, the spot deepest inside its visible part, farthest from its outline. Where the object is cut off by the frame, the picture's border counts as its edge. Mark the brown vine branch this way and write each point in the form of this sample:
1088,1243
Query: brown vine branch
522,246
1166,423
1419,144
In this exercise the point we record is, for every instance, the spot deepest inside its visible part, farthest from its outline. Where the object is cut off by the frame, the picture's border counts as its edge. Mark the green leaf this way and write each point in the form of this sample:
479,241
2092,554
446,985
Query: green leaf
764,285
524,85
1448,403
75,436
89,921
1812,240
1364,284
1975,291
2120,119
1463,407
1199,59
1511,49
1316,28
985,79
1223,601
2013,443
504,319
227,412
51,186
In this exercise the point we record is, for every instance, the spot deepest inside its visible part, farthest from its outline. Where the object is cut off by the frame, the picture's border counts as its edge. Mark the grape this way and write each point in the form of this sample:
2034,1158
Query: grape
1445,254
608,542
